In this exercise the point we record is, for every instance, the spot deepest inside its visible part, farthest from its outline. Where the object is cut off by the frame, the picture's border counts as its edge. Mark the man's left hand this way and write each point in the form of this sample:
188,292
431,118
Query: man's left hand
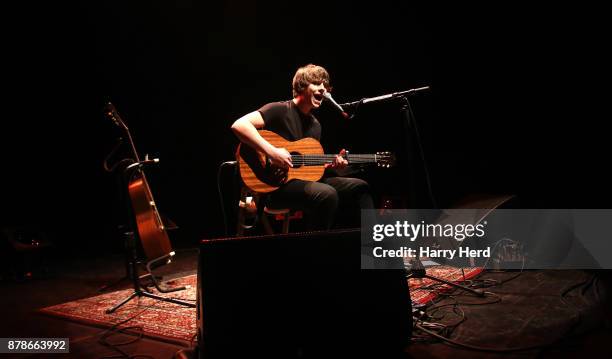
339,161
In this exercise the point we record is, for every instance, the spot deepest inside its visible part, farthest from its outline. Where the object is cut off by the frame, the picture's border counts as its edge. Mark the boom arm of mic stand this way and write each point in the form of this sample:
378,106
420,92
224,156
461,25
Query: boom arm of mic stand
384,97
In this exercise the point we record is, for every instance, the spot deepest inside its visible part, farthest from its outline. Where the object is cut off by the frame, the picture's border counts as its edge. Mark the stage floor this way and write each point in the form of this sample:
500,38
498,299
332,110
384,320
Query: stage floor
566,311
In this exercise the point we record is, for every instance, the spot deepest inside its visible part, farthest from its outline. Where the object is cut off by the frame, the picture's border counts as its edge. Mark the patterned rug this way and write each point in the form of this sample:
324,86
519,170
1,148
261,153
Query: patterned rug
424,290
177,324
159,320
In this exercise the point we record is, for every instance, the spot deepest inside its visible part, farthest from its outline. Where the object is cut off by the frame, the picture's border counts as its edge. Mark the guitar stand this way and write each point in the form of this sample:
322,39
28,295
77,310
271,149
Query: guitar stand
140,197
118,281
417,270
141,290
127,255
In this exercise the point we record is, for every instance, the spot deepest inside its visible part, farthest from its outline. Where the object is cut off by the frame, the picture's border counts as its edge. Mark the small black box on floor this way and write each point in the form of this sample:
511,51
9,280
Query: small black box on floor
298,296
23,252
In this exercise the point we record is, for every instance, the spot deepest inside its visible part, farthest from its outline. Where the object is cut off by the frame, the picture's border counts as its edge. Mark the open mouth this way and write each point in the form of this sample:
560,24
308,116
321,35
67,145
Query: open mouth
318,97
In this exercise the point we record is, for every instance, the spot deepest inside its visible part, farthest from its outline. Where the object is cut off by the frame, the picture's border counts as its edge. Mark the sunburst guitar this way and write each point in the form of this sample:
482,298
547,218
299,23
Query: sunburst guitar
307,156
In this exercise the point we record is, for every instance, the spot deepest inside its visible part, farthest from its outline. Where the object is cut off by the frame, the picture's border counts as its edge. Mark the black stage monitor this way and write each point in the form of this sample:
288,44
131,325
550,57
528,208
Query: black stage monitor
300,295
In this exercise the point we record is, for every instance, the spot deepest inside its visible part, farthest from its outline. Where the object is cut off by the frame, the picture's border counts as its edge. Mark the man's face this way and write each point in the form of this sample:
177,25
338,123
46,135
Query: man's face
314,94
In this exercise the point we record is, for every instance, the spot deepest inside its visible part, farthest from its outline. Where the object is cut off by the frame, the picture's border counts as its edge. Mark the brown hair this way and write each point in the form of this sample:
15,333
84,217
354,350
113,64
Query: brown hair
309,74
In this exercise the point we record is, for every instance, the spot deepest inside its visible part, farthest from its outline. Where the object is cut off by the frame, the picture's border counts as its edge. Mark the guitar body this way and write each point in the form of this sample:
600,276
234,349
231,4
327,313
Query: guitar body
151,230
258,174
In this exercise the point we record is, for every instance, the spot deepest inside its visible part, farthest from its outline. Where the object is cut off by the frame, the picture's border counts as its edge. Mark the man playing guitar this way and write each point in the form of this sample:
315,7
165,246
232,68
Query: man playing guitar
293,120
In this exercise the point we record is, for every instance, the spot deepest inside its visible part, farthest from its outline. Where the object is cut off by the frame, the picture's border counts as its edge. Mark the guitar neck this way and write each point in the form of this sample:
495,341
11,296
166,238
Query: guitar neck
318,160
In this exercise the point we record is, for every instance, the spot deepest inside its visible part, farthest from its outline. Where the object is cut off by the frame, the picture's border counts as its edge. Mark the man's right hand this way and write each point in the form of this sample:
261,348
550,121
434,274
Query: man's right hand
280,157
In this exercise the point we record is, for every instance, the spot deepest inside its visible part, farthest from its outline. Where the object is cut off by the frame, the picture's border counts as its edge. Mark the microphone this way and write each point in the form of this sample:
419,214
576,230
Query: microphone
329,97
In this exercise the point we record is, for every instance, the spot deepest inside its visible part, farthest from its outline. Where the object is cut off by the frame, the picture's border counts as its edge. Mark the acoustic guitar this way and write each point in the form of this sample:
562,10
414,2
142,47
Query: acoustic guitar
307,156
151,229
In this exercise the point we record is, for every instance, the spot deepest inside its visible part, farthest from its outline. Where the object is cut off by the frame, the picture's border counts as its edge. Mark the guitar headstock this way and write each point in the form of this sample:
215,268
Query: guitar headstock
111,112
385,159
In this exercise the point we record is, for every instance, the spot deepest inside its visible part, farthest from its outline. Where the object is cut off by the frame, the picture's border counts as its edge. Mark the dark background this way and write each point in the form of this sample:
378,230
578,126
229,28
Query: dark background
516,103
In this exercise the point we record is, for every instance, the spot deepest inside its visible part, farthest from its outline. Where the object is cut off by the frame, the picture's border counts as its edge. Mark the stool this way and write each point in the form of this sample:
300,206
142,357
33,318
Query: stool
247,207
286,212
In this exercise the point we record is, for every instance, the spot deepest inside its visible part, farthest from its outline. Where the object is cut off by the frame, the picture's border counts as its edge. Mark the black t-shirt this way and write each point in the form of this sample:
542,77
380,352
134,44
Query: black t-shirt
286,120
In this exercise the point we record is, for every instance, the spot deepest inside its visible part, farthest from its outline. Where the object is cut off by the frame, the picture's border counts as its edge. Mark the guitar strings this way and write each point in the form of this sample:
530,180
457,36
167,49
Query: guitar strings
320,159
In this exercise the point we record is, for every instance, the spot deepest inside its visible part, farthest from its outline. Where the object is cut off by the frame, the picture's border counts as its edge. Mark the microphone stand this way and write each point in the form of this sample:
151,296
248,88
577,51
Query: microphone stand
412,134
386,97
417,269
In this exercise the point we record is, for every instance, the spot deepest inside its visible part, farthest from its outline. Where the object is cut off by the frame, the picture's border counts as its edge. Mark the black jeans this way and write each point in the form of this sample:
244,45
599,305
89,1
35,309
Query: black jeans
321,200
